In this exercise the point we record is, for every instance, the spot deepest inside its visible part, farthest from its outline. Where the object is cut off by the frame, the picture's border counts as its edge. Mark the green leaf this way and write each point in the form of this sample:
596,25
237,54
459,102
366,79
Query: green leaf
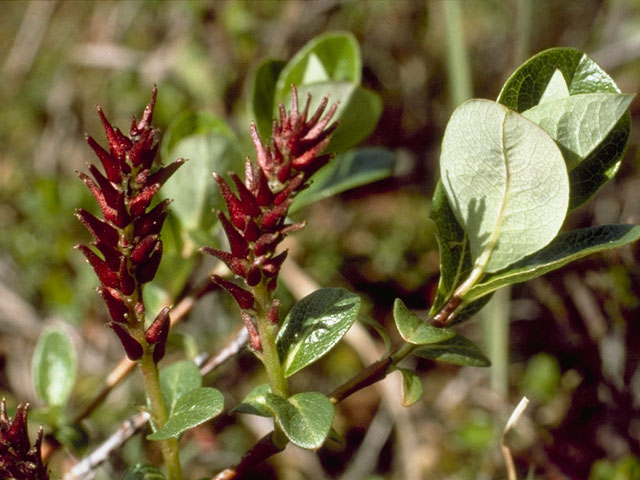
193,408
457,350
581,122
314,325
506,180
178,379
565,248
358,110
305,418
262,94
415,330
143,472
411,387
332,56
348,170
54,367
526,88
209,146
255,403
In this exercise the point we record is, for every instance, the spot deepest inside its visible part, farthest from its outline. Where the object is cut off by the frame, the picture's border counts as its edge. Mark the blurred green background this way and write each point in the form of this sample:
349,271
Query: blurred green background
573,344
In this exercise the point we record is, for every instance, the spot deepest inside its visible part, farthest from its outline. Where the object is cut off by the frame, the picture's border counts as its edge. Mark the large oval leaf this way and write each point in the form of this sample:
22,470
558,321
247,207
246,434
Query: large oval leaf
305,418
529,83
54,367
314,325
332,56
506,181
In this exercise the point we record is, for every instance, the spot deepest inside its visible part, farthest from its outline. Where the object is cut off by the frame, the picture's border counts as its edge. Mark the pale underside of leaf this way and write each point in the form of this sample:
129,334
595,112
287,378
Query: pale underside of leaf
506,181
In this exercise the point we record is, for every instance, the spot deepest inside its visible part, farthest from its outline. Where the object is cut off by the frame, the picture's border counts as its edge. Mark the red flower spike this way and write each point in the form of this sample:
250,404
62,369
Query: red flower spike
18,460
106,276
115,304
238,244
250,177
99,229
302,161
272,266
234,204
254,336
118,143
152,221
251,231
141,201
127,282
315,165
273,283
273,217
284,172
107,189
248,201
147,115
266,243
162,175
237,265
291,189
147,270
111,255
142,151
273,314
262,155
144,248
109,164
131,346
262,192
158,332
243,297
294,227
253,276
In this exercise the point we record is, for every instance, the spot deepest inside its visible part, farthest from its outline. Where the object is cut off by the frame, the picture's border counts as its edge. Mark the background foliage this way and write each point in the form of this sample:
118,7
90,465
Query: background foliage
572,348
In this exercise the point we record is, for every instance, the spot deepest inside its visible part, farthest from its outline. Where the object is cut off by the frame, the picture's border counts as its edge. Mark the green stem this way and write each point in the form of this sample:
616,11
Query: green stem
169,447
267,331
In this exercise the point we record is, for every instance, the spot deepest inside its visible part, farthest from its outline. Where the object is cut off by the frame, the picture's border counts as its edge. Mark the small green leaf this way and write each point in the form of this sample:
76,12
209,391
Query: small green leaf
210,146
411,387
262,94
193,408
526,87
255,403
143,472
358,110
305,418
176,380
332,56
314,325
457,350
565,248
54,367
506,181
415,330
581,122
348,170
